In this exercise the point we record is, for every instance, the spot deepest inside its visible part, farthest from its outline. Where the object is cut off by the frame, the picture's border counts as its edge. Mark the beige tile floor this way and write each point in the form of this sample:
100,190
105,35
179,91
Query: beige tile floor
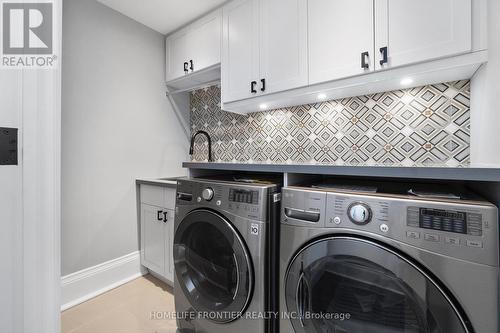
126,309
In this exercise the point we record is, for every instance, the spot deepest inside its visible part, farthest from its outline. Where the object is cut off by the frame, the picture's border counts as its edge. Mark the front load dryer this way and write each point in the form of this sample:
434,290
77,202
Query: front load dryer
224,252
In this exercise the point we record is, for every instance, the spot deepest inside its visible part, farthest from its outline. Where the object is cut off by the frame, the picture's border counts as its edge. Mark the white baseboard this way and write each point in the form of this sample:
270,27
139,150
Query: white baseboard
90,282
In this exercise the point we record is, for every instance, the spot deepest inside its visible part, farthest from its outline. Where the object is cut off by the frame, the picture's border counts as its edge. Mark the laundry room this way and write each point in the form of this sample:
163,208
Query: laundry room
263,166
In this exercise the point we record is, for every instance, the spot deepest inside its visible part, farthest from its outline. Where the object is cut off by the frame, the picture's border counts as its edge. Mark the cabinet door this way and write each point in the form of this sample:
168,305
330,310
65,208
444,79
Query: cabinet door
153,238
169,253
340,32
169,193
205,41
415,31
283,45
240,49
177,53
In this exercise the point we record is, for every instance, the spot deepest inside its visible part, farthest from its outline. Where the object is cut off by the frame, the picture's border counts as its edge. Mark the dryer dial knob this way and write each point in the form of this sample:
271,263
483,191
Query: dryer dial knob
207,194
359,213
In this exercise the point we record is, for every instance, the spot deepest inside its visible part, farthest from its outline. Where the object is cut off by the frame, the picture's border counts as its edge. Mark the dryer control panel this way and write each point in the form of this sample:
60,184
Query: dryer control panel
243,200
244,196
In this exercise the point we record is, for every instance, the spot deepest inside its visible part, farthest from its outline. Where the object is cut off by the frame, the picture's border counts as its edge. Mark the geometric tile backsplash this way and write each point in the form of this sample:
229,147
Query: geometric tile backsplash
424,126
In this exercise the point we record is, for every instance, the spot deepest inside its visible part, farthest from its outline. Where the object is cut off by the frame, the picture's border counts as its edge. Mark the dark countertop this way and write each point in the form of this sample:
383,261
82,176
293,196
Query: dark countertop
437,173
166,182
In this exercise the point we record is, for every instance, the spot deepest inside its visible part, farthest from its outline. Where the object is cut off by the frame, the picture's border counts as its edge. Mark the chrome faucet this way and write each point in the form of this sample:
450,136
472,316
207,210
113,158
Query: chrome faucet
209,144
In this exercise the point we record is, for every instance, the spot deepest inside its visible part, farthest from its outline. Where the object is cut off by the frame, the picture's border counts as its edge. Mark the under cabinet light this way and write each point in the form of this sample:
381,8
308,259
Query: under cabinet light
406,81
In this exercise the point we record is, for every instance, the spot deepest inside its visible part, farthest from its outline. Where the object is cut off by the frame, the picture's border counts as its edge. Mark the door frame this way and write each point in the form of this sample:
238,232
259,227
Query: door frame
37,245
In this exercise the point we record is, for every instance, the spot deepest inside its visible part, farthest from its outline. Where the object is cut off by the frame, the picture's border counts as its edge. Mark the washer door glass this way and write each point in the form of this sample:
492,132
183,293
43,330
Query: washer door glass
212,265
347,284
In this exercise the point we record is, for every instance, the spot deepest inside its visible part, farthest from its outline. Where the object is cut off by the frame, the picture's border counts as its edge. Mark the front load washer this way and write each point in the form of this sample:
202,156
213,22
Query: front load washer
225,248
384,263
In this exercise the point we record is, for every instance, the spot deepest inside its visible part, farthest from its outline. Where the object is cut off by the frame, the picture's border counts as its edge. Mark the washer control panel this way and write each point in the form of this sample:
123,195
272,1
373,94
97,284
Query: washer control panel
454,221
461,229
207,194
359,213
365,212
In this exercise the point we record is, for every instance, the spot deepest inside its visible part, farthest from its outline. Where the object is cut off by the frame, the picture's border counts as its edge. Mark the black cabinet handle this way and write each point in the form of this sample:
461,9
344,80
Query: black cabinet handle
364,63
263,84
186,67
165,217
252,87
159,215
192,66
383,50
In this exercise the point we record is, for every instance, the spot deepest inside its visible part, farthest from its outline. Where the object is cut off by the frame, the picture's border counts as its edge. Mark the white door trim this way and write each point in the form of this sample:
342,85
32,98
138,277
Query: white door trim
39,246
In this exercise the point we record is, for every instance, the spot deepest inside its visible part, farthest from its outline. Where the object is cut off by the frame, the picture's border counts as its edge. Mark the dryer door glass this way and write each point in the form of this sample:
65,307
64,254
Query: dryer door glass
212,265
345,284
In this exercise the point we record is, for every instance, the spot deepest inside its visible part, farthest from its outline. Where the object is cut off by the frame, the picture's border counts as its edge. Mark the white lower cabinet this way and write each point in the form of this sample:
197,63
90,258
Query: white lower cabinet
152,238
157,232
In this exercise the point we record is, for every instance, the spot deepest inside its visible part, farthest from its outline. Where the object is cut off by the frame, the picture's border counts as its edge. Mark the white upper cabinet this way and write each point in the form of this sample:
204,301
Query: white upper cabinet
264,47
240,50
194,47
206,41
341,38
177,54
411,31
278,53
283,45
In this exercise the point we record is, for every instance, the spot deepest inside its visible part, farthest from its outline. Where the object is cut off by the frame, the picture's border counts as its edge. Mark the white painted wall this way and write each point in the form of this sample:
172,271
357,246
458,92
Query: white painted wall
485,99
30,199
117,125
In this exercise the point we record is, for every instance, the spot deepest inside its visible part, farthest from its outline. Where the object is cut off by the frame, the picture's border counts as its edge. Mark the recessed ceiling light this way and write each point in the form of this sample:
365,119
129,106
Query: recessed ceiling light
321,96
263,106
406,81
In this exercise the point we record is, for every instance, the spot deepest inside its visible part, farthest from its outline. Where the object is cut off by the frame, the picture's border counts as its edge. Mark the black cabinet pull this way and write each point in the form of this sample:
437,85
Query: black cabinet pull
186,67
165,217
364,63
252,87
159,215
383,50
263,84
191,67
